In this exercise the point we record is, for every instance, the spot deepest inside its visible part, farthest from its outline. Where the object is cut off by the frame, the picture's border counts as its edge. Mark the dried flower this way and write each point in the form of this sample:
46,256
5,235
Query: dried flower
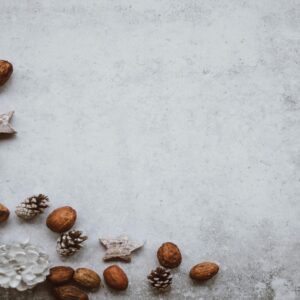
22,266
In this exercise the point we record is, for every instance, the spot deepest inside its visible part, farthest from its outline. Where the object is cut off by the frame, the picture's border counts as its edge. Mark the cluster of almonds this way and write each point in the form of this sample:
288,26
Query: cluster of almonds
73,284
61,220
169,257
70,284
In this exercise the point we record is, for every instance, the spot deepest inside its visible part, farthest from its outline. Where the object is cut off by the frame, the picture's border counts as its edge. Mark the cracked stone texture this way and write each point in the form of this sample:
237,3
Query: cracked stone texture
167,120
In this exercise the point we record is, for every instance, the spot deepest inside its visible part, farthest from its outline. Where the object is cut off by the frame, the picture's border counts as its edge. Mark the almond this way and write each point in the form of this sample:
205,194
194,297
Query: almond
6,70
204,271
115,278
4,213
169,255
70,292
87,278
60,275
62,219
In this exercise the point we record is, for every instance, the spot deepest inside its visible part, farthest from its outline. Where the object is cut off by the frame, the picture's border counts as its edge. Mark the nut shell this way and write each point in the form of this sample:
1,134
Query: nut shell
204,271
60,275
6,70
4,213
169,255
87,278
70,292
62,219
115,278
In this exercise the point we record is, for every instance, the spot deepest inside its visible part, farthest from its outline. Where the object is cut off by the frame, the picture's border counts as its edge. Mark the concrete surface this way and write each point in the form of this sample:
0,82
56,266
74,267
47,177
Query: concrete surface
167,120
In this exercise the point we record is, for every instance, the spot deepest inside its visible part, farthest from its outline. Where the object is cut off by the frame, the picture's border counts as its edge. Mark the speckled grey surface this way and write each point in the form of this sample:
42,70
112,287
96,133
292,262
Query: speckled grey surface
167,120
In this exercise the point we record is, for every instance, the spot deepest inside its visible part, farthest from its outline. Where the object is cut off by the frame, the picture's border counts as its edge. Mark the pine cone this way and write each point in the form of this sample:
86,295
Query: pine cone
160,278
70,242
32,207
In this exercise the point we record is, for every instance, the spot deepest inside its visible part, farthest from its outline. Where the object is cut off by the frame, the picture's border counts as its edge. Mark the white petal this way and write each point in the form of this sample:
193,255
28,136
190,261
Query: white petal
15,281
36,269
22,287
3,260
4,269
32,255
39,279
10,273
28,277
14,250
21,258
4,280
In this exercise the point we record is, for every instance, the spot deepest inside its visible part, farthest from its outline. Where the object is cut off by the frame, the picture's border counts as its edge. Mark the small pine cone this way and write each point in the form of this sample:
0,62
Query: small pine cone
160,278
70,242
32,207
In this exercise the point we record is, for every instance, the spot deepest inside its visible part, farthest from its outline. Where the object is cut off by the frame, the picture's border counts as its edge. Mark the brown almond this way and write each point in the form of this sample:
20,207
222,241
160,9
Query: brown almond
70,292
115,278
4,213
204,271
87,278
169,255
6,70
62,219
60,275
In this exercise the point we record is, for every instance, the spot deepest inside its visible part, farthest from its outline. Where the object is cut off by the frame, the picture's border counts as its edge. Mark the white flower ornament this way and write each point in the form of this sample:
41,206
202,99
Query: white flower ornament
22,266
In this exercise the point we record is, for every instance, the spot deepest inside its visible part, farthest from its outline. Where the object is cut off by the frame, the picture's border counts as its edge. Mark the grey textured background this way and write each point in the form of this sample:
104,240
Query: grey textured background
167,120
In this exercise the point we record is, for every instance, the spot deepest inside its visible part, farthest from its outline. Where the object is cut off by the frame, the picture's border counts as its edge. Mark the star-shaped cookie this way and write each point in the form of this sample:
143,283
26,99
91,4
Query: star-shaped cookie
5,126
119,248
